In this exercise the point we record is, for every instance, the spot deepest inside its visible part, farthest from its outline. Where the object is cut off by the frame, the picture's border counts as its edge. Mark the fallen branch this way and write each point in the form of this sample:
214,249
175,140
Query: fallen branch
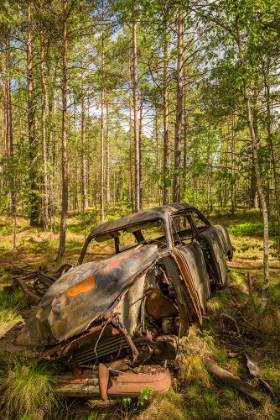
254,371
256,396
226,316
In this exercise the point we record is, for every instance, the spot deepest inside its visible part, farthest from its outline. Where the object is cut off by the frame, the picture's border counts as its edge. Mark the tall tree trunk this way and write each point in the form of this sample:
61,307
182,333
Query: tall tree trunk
165,118
35,202
9,139
64,157
257,171
272,151
102,124
185,146
140,149
132,183
83,157
179,109
233,166
108,194
135,127
7,123
45,209
158,165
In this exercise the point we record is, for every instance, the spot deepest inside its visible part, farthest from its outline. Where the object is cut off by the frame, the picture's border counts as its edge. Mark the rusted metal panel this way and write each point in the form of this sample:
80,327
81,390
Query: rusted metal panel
215,253
103,374
194,258
106,385
225,239
78,387
129,310
162,212
172,276
22,284
189,291
131,384
60,316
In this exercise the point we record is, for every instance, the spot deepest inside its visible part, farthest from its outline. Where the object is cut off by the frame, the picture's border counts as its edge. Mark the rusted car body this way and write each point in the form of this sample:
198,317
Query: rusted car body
147,278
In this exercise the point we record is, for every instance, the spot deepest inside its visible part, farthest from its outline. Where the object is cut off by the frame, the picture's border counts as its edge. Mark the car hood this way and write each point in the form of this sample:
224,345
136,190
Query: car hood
85,294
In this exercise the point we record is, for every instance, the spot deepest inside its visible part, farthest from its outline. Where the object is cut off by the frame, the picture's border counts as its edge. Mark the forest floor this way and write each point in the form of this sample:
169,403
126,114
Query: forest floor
234,329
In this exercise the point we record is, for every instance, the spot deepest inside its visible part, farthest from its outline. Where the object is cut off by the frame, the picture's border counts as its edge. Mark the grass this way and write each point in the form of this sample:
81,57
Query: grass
27,390
27,386
10,303
192,369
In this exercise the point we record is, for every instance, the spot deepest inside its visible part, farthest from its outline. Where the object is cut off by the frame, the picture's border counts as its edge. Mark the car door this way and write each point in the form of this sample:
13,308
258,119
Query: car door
192,226
215,244
214,254
194,258
184,239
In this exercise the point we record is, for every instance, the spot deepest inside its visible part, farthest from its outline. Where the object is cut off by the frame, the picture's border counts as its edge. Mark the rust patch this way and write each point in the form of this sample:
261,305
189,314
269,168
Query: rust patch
123,385
84,286
131,384
103,374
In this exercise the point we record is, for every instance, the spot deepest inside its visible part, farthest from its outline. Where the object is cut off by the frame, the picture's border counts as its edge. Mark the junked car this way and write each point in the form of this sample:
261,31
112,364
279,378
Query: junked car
119,314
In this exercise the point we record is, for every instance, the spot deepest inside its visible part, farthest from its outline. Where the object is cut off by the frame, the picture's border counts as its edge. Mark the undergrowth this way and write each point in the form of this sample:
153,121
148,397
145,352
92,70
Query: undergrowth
10,303
27,387
27,390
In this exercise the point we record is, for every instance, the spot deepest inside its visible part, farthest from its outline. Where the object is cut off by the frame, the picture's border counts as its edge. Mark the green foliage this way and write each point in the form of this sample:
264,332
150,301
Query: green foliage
222,357
110,217
247,229
6,229
125,401
219,301
144,396
206,403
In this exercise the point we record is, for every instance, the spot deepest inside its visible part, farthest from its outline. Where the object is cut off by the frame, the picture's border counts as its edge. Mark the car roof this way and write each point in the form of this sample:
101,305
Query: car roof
161,212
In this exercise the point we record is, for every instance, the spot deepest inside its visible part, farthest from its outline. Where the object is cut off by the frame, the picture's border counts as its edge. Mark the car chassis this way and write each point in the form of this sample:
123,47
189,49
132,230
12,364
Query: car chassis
117,319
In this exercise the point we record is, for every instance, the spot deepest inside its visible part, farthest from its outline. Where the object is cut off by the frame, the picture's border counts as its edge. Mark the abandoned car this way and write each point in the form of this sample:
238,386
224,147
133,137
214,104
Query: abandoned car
117,318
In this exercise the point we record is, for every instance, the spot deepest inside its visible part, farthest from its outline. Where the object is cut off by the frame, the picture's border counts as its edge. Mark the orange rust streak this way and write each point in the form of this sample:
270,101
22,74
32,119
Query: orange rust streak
84,286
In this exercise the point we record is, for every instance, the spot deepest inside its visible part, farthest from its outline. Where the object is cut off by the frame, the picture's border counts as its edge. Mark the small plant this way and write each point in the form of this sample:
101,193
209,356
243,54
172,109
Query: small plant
125,401
221,356
207,338
145,395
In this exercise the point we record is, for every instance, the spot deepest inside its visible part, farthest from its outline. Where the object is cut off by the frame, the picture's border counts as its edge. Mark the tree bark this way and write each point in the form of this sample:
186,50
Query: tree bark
135,127
179,109
165,117
64,157
35,202
83,157
257,171
108,194
233,166
102,124
272,151
45,209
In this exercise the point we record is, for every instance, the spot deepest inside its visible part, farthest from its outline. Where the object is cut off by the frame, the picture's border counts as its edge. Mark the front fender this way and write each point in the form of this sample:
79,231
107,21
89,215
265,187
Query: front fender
84,294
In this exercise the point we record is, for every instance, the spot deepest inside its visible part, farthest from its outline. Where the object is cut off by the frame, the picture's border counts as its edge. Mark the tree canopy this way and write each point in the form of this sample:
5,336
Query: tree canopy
139,102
